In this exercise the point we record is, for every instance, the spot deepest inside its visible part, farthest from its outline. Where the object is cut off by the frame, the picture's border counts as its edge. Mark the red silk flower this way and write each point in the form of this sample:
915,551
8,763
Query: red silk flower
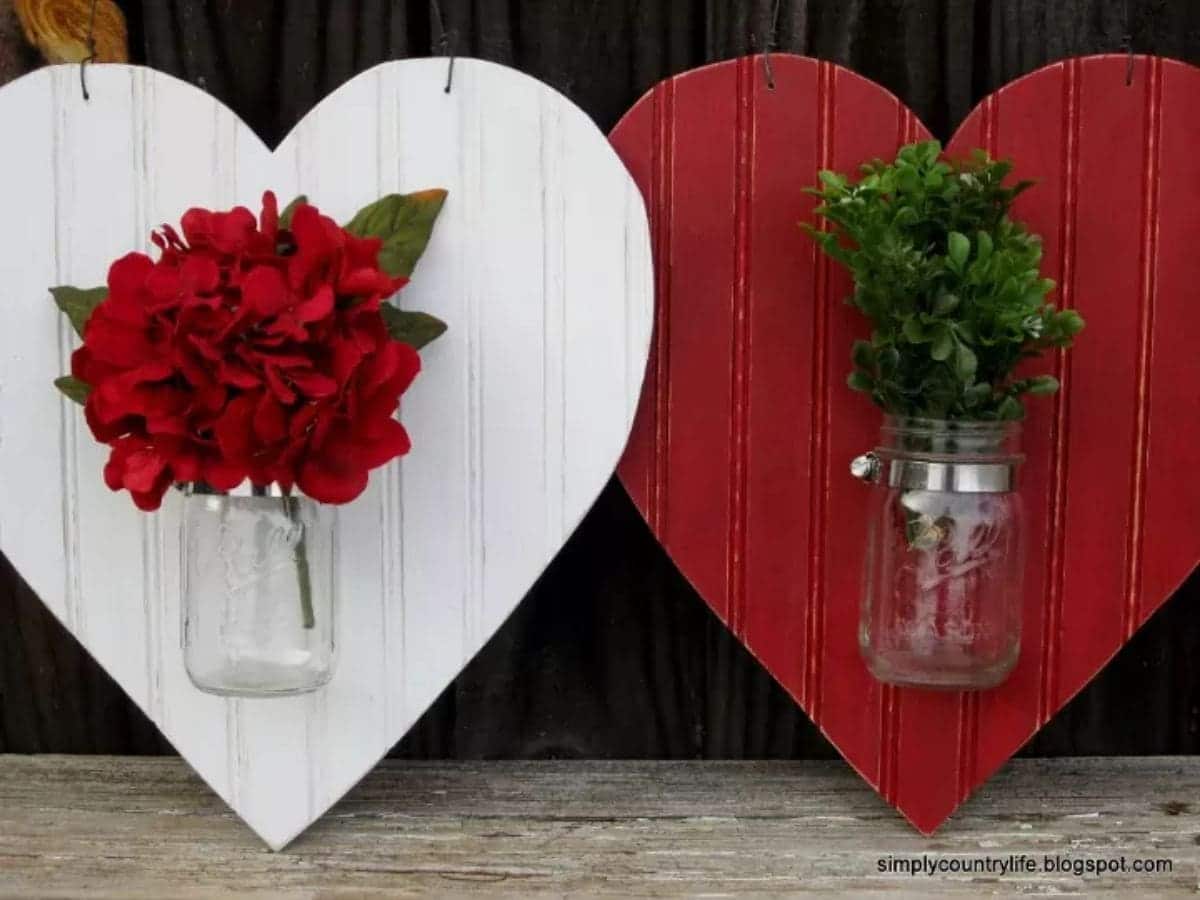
247,351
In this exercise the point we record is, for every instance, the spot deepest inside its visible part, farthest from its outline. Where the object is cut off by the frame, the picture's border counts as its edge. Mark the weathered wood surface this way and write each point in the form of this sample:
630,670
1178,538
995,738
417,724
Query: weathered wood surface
139,827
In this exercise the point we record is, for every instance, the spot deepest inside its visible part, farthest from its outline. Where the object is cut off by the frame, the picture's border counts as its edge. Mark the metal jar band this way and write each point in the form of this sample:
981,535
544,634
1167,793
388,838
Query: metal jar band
937,475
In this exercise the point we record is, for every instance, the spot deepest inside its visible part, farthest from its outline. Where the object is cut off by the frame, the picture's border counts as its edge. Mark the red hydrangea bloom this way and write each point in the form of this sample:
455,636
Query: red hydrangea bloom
247,351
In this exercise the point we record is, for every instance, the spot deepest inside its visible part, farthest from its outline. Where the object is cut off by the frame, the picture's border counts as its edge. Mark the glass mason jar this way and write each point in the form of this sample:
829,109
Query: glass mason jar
945,544
258,592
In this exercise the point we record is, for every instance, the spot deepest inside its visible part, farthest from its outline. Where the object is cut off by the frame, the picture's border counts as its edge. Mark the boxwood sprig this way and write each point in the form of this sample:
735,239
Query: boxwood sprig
950,284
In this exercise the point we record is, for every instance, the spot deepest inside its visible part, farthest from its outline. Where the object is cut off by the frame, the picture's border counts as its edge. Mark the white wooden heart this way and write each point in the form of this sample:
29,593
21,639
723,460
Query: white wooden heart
540,263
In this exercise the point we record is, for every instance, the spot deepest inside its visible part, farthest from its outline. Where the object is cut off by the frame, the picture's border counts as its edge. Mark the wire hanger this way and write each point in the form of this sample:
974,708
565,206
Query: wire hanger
91,54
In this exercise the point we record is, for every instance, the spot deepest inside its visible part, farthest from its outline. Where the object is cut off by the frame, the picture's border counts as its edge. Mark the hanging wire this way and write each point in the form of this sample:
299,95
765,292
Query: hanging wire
91,55
448,38
1127,43
770,47
445,42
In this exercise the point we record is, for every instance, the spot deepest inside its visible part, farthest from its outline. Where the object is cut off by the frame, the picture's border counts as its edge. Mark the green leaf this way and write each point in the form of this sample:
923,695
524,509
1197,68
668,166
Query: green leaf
965,363
889,360
404,222
860,381
913,331
977,394
1069,322
945,303
413,328
73,388
943,345
984,242
285,217
832,180
78,304
1042,384
958,248
863,354
1010,408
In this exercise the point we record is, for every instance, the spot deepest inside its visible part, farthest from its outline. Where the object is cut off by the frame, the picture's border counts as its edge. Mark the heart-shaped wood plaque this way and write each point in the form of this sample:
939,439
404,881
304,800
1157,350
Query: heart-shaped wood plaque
739,455
540,264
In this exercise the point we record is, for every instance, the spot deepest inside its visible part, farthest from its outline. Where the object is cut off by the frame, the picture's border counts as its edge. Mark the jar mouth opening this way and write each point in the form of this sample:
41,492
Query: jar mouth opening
950,440
916,425
245,489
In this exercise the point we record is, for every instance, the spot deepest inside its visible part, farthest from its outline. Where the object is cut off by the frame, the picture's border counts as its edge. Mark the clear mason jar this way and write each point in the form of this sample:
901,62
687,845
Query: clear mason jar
258,593
944,571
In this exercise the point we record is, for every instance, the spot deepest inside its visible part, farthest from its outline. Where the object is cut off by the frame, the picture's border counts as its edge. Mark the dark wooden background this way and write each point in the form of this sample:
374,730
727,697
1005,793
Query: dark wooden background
612,654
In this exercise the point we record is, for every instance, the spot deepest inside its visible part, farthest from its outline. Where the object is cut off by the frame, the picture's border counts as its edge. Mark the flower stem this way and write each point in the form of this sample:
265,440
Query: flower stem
303,575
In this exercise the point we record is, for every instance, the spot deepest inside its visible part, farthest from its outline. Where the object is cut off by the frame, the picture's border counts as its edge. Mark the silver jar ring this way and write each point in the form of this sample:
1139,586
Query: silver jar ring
937,475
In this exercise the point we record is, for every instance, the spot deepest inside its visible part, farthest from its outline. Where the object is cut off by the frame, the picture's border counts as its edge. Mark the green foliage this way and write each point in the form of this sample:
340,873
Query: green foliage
78,304
73,388
404,222
285,217
413,328
950,284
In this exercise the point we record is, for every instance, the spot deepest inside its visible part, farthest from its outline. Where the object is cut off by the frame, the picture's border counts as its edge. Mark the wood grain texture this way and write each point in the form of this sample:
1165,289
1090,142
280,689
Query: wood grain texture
741,475
540,263
133,828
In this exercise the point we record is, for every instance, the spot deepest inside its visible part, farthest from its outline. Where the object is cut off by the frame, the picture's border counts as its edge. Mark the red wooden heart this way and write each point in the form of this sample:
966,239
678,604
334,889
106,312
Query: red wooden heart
738,458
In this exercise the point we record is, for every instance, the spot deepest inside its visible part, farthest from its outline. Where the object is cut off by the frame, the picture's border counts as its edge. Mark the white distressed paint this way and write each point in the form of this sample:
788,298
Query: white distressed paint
540,263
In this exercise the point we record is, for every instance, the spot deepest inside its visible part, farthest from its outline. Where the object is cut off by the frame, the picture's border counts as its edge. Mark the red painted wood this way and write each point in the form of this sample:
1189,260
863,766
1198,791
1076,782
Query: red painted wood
738,457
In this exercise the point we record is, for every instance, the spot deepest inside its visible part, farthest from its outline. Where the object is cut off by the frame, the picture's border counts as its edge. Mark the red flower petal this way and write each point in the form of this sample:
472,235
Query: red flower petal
127,275
136,465
279,387
270,420
167,425
232,230
364,282
222,474
151,500
204,347
200,274
114,469
87,368
236,375
269,220
284,360
335,475
286,326
391,441
322,427
395,366
142,469
313,384
210,399
265,291
346,357
164,286
233,428
197,226
185,466
316,307
116,343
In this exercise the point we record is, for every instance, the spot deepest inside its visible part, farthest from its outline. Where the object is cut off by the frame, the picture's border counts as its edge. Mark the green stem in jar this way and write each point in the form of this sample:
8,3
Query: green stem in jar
292,507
